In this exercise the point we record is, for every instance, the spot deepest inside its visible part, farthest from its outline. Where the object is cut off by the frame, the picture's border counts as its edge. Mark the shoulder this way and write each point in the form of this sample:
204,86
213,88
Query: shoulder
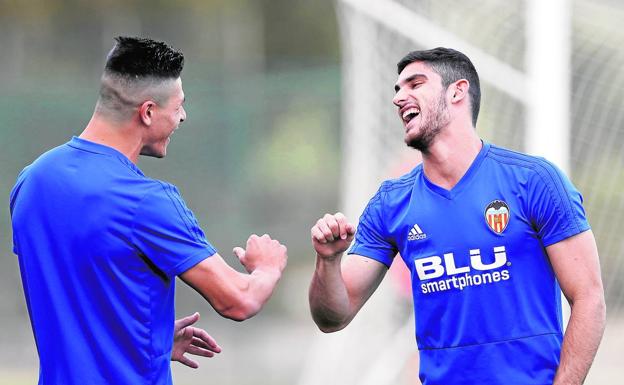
155,189
530,165
393,192
403,183
48,159
541,179
162,198
511,158
42,168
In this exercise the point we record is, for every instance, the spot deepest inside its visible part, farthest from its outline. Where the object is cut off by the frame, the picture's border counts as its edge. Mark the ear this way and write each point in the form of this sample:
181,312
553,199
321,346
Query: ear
459,90
146,112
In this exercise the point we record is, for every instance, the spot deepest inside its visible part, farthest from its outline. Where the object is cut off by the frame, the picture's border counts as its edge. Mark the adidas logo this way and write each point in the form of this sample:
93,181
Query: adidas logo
416,233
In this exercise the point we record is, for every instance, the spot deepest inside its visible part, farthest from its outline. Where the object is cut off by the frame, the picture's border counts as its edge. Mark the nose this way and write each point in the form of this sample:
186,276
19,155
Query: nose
183,115
399,98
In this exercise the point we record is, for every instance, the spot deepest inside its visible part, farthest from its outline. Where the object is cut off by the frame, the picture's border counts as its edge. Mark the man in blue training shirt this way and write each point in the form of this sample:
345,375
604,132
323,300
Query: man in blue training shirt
100,244
489,235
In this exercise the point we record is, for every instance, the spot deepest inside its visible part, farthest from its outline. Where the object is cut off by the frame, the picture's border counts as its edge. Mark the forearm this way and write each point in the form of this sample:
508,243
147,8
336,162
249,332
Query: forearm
249,294
581,340
262,282
232,294
329,300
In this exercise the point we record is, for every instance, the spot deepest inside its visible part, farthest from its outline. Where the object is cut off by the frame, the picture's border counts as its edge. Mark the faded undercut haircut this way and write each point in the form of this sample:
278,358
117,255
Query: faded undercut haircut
452,66
137,69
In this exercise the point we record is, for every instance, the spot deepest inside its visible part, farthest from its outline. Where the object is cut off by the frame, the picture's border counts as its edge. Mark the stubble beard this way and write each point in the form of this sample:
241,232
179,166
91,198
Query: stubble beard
436,119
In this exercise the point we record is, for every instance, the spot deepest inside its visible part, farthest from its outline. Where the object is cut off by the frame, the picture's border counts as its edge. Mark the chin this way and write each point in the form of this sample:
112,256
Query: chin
412,137
418,142
154,153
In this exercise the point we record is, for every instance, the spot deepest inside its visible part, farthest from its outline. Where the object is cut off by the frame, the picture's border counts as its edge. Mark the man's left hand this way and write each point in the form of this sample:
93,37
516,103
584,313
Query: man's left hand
192,340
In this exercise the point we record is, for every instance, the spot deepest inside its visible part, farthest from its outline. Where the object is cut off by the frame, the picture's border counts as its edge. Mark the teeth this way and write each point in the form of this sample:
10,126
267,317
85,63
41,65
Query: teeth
406,113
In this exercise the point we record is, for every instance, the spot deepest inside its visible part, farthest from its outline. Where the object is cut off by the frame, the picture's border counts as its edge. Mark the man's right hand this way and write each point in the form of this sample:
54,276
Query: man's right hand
262,253
235,295
332,235
340,285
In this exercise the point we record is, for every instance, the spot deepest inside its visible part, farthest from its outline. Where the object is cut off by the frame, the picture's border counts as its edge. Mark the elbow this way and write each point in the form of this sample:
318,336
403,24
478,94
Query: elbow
240,309
593,304
330,325
600,311
601,308
330,328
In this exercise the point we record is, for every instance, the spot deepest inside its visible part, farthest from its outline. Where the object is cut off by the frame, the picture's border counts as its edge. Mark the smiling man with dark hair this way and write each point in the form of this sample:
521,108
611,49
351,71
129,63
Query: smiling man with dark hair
491,238
100,244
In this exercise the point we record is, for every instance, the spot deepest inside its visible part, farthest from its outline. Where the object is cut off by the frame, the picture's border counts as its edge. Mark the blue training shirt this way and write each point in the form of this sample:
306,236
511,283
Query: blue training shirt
99,246
486,300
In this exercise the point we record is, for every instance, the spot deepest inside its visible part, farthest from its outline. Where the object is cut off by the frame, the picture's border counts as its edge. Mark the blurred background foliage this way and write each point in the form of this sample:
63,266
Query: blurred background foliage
259,152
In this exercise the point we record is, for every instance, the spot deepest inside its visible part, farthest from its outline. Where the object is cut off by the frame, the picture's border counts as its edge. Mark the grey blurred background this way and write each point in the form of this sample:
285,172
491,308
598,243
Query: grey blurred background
257,154
271,120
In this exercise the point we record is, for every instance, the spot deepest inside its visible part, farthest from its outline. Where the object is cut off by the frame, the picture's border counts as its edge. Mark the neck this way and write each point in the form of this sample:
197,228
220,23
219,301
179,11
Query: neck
122,136
451,154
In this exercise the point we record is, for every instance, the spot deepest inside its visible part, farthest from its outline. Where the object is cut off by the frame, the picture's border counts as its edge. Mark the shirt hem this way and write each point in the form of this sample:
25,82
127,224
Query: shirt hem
493,342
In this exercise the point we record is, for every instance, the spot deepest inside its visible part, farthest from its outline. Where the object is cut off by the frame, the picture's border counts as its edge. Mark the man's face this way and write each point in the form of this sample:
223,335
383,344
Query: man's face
421,102
166,117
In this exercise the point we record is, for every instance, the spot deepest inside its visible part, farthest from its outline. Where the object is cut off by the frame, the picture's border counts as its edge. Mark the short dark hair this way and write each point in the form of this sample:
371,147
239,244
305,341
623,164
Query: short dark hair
137,68
142,57
452,66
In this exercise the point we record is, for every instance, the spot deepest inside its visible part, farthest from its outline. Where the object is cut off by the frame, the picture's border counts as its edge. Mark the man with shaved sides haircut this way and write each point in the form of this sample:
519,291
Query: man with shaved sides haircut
100,244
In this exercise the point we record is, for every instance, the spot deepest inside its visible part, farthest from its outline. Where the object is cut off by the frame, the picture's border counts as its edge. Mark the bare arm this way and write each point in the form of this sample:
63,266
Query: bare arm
236,295
575,262
340,285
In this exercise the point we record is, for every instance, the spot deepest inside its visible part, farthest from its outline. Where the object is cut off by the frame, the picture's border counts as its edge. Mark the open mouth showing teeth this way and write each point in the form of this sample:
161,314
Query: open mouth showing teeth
410,114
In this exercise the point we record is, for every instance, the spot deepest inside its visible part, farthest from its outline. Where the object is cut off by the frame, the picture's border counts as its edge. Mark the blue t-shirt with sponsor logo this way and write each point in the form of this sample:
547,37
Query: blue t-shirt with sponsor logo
99,246
486,300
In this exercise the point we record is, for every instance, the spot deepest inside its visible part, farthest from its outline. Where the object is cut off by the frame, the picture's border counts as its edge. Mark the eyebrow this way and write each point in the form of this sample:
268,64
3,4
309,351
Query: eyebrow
409,79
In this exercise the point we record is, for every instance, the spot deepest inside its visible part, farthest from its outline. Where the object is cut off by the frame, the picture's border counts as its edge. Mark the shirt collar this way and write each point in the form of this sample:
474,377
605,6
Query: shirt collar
465,180
87,145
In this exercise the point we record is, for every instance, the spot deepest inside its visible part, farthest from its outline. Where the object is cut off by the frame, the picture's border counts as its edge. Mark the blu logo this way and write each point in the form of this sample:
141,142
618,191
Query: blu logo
433,267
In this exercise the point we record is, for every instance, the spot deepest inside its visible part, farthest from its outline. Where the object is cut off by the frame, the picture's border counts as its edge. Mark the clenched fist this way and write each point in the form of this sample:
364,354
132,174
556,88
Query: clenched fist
332,235
262,252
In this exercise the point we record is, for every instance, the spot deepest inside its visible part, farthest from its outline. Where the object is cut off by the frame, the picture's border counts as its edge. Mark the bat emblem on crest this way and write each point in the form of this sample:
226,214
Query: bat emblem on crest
497,216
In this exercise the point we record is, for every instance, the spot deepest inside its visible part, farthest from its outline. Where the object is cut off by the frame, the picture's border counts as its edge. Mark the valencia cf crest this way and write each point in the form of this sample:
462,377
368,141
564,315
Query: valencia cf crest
497,216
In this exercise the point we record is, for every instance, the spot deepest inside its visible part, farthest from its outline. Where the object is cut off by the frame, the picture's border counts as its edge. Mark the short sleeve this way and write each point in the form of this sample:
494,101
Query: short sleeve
167,233
556,206
371,239
15,247
12,201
